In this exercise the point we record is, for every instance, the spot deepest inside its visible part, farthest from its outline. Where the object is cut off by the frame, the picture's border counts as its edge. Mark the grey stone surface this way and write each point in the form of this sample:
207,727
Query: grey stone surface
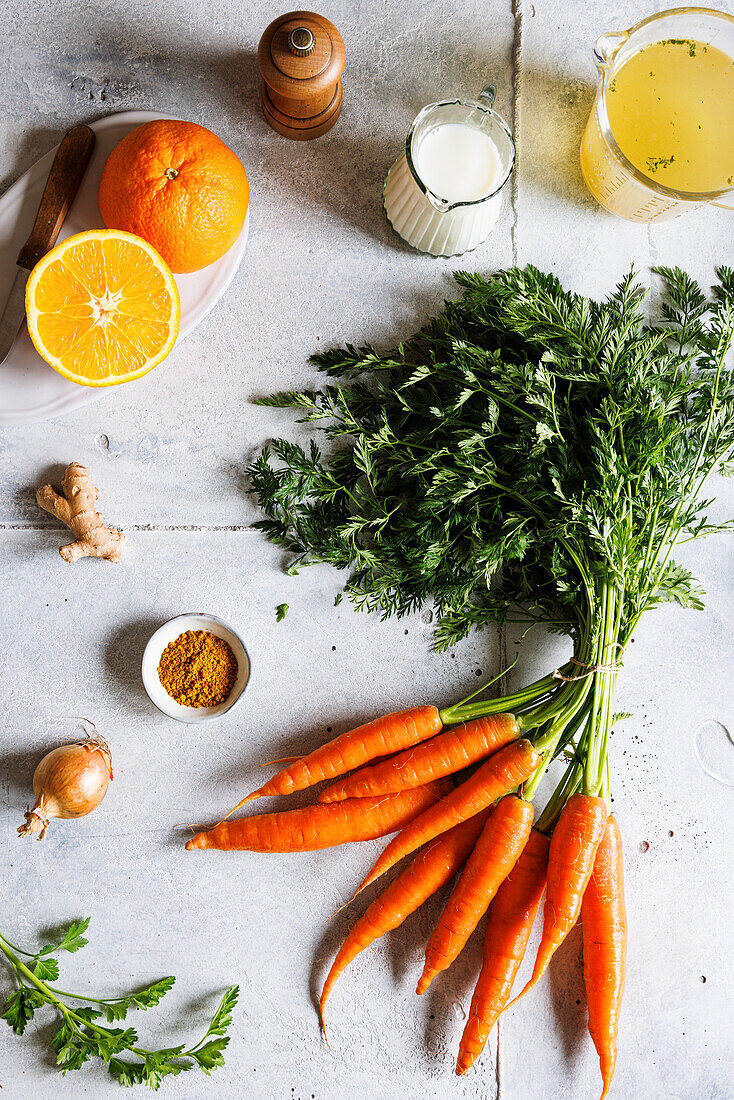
168,453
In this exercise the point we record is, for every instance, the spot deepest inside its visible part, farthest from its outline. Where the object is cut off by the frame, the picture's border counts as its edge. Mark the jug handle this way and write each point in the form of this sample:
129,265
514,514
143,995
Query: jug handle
488,94
723,205
608,44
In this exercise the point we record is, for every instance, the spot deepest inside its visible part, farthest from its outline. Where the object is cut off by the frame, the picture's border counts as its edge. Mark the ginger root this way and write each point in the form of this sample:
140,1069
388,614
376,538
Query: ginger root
76,508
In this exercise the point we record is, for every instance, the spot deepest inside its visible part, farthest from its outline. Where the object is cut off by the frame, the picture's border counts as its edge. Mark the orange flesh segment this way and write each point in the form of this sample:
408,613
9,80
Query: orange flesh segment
104,309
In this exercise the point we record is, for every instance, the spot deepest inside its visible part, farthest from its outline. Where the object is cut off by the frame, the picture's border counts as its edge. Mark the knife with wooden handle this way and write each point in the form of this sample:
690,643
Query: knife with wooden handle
67,171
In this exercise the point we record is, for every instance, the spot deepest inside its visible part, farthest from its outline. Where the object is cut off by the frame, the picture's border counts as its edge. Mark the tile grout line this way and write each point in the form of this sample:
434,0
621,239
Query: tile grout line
517,44
499,1063
149,527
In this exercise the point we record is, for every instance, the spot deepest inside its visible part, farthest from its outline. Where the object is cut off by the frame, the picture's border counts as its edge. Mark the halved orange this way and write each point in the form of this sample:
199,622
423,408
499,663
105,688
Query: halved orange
102,307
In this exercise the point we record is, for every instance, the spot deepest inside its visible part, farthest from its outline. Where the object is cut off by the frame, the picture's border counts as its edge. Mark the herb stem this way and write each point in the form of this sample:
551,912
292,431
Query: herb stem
465,711
570,783
81,1036
562,730
610,604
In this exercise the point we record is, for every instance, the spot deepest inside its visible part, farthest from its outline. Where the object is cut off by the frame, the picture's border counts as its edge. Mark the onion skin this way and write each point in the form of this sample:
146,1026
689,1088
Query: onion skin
70,782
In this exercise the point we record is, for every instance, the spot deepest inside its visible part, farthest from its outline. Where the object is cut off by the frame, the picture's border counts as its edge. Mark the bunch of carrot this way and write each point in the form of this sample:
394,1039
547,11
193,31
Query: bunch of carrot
480,830
528,457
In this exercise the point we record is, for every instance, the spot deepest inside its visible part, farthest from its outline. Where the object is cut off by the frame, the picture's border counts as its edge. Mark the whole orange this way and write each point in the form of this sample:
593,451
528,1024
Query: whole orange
179,187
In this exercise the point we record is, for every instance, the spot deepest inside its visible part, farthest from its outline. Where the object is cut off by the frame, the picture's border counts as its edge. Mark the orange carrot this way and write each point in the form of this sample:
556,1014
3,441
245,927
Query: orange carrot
604,925
322,826
511,917
506,769
573,848
382,736
449,752
427,872
495,854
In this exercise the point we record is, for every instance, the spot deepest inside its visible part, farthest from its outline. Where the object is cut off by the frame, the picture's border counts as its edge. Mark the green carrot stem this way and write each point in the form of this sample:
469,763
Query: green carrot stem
465,712
605,790
607,656
560,732
570,783
484,687
548,712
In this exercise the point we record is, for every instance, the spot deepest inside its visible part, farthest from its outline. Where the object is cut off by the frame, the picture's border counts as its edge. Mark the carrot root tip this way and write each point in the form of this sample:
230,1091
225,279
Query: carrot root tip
337,911
533,982
323,1028
607,1081
423,983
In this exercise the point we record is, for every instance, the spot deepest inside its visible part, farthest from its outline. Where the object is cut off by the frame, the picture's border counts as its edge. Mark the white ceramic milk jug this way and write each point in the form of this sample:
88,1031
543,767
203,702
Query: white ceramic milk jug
443,195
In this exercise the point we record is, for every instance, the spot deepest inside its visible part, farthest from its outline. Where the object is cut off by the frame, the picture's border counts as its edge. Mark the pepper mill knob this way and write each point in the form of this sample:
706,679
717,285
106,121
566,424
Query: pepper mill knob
301,42
301,58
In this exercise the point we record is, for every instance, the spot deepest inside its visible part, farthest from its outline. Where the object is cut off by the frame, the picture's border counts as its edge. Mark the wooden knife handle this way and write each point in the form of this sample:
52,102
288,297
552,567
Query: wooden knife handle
67,172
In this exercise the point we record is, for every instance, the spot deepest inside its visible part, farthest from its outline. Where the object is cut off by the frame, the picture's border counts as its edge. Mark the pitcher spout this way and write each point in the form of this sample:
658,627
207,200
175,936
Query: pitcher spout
606,46
436,202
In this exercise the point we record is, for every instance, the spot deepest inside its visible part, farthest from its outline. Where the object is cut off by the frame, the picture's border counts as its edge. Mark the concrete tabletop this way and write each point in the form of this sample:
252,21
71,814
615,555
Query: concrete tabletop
169,454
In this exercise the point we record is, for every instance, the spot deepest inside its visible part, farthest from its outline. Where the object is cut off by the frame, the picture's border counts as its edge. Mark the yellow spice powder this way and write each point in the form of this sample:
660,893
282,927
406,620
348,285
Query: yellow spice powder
197,669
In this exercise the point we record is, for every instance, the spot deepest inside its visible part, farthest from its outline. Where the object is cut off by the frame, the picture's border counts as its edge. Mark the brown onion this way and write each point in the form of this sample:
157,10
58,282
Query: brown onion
70,781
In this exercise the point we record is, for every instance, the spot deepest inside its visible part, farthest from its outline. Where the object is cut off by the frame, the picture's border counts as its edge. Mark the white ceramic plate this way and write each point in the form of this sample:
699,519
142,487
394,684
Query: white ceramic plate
168,633
30,390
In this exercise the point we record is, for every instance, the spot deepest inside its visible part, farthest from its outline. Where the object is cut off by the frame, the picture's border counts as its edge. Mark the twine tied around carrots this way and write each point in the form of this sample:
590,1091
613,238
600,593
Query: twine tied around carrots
611,666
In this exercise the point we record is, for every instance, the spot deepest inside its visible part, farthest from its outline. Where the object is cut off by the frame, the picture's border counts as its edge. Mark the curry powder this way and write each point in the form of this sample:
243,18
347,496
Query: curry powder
197,669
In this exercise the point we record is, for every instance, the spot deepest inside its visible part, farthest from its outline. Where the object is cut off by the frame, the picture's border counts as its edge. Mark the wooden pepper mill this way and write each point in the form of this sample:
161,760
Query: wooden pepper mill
301,57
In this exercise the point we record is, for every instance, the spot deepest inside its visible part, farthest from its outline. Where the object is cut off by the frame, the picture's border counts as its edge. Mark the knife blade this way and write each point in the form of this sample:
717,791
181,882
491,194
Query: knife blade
13,317
67,171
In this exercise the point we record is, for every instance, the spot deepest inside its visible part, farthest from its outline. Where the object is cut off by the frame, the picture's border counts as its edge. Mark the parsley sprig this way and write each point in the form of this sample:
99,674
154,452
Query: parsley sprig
530,456
82,1036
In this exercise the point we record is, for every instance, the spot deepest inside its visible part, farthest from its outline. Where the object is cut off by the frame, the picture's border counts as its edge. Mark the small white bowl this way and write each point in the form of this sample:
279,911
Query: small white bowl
168,633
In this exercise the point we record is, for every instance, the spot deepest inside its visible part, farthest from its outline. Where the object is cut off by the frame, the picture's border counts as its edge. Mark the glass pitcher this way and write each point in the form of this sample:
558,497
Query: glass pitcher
611,177
430,222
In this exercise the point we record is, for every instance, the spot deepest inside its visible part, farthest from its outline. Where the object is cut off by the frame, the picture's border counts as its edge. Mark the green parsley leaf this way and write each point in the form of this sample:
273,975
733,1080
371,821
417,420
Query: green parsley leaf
46,970
20,1008
127,1073
73,939
210,1056
222,1018
145,998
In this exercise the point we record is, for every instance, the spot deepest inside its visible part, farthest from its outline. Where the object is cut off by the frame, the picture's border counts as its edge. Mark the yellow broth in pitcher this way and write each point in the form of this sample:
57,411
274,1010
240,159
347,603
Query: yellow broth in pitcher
671,111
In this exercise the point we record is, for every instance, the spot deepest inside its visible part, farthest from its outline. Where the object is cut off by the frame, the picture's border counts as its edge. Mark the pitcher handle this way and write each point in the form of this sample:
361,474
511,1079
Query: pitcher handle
488,94
723,205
